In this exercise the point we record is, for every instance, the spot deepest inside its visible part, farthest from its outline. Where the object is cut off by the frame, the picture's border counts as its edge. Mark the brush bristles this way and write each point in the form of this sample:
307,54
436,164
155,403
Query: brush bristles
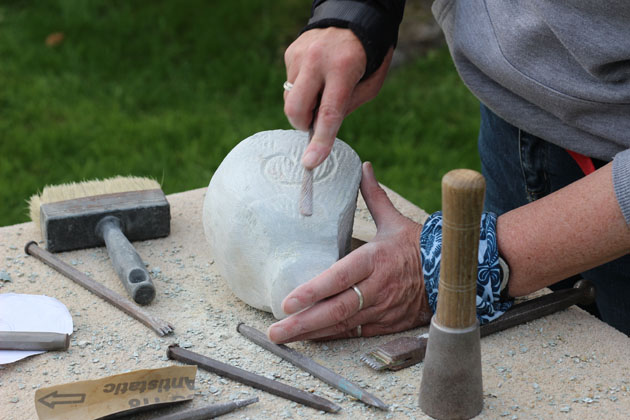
373,362
55,193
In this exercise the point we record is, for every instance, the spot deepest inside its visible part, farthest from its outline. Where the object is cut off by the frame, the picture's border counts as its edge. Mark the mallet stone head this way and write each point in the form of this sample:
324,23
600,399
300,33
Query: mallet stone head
260,243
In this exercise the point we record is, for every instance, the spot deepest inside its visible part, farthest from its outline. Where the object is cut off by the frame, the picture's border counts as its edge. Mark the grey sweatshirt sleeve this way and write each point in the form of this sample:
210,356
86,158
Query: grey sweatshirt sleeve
621,182
559,70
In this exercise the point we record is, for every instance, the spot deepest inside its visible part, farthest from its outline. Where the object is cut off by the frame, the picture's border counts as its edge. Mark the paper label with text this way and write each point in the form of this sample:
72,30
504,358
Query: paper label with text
114,394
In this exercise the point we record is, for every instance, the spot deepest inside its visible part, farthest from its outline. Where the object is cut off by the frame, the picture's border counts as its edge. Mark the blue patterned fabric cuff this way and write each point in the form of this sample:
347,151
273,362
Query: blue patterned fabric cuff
489,305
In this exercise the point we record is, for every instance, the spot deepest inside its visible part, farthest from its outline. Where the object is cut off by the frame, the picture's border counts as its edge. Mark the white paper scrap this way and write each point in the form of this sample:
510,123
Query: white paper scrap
20,312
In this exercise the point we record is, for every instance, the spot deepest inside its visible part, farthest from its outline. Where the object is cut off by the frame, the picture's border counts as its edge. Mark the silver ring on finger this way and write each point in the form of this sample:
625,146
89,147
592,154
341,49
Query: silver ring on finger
359,331
360,295
287,86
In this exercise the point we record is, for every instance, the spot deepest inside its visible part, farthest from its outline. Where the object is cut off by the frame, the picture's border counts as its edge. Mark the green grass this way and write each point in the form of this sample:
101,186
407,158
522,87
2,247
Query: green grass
166,89
423,124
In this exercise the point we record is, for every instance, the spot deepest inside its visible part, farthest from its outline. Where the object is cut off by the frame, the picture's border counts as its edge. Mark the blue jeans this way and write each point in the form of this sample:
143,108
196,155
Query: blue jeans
519,168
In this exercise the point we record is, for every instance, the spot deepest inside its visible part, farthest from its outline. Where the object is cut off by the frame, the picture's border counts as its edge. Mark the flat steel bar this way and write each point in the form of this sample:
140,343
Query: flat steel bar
583,292
33,340
237,374
309,365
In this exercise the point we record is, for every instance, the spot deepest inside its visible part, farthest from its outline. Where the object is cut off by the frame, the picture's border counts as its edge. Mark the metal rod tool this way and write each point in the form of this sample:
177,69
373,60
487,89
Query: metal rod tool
309,365
128,307
252,379
33,340
306,190
583,292
208,412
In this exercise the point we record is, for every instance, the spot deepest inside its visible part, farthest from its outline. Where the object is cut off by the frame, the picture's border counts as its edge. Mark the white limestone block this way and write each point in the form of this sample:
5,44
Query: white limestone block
262,246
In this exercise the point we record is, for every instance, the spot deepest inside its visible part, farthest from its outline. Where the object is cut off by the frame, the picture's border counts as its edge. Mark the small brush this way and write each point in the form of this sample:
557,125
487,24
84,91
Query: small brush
397,354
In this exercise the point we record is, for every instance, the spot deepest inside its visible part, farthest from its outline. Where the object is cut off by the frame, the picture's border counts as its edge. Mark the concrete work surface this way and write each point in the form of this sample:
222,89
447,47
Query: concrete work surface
567,366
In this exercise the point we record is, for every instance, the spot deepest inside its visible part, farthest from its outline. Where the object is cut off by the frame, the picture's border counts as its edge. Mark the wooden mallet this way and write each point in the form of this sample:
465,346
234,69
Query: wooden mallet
451,386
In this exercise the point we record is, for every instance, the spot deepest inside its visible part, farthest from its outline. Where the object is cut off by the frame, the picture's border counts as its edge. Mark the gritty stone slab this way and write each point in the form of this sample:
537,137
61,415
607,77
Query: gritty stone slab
574,366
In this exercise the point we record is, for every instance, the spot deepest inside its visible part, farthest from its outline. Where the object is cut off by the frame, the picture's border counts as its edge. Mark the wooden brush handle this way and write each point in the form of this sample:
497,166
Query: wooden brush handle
462,203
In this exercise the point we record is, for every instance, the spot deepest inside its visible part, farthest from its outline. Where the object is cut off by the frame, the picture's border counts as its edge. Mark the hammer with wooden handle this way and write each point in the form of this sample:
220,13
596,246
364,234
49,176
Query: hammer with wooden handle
451,386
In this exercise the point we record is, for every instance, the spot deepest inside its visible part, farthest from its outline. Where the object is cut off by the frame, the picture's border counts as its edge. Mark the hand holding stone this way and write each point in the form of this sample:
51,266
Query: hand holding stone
325,66
387,270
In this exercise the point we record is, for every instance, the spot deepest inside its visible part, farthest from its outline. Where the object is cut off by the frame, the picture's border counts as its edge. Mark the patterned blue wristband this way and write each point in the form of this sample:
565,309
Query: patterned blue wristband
489,304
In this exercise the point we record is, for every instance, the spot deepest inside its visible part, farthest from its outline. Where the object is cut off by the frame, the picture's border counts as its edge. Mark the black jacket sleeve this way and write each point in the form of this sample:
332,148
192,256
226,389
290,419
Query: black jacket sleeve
374,22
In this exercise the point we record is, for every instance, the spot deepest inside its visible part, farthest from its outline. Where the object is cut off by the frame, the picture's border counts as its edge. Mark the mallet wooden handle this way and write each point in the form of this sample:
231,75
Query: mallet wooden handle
462,203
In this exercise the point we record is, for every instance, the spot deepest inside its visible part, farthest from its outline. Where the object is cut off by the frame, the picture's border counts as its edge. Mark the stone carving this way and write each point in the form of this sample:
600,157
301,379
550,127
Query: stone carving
260,243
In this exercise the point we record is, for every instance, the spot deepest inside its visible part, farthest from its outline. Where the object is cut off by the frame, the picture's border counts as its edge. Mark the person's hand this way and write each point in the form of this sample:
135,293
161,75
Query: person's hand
387,271
325,67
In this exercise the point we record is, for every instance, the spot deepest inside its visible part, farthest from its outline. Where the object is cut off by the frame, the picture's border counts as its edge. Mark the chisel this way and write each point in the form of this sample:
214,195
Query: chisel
310,366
